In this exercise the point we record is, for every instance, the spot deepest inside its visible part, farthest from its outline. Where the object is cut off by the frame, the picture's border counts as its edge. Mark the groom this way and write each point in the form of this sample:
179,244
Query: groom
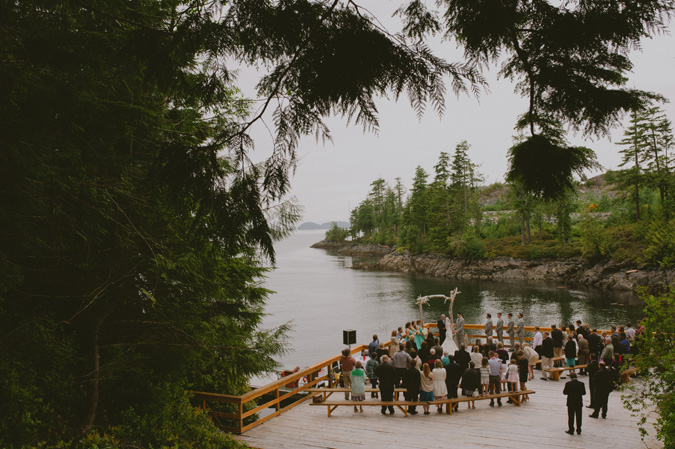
441,329
459,330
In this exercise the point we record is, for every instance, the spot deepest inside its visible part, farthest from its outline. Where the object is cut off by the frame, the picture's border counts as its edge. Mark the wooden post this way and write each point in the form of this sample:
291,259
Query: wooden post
276,394
240,424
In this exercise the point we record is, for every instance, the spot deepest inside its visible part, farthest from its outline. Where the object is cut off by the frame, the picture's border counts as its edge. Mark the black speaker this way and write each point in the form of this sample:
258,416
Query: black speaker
349,337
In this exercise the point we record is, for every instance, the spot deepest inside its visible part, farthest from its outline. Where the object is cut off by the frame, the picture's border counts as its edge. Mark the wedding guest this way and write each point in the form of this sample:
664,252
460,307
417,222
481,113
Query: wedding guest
358,381
411,382
426,387
370,371
471,383
440,389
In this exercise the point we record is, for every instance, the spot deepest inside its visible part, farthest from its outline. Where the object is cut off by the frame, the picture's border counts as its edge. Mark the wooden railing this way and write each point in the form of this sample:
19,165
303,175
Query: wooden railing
236,422
244,408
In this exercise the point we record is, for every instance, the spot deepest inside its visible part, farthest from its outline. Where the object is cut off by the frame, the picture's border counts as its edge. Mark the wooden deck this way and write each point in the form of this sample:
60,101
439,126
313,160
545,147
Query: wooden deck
537,424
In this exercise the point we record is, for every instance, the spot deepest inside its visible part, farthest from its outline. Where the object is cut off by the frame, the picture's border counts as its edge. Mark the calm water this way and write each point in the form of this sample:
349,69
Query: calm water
320,295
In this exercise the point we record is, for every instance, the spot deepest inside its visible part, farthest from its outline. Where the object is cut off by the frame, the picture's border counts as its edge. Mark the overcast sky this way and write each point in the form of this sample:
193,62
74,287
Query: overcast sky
332,179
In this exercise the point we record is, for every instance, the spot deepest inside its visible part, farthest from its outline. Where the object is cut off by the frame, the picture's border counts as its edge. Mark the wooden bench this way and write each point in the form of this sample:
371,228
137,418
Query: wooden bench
556,372
327,392
402,405
625,374
515,396
553,359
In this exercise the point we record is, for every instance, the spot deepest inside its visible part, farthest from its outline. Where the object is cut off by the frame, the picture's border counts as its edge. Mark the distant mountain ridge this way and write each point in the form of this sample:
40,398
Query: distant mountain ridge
310,225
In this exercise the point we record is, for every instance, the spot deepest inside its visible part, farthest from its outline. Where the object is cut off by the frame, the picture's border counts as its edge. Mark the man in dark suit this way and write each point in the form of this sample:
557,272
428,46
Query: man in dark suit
441,329
462,357
575,391
454,374
592,370
603,385
386,374
411,382
594,342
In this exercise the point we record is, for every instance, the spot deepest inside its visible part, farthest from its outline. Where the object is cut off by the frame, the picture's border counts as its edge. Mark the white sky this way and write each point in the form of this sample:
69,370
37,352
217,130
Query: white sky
332,179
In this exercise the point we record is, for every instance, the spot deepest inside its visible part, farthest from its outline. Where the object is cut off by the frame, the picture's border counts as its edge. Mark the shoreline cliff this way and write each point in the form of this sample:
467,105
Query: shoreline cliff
607,275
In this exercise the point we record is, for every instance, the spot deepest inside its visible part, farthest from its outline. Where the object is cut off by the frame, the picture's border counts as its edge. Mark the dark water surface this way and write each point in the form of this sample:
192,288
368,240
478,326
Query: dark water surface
320,295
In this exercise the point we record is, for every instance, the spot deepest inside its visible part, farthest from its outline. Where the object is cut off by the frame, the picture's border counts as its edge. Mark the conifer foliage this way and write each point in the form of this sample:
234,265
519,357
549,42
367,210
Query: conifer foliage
134,227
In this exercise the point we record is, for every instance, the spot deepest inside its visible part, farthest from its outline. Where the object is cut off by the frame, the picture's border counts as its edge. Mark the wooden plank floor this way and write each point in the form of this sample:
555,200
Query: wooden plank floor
538,423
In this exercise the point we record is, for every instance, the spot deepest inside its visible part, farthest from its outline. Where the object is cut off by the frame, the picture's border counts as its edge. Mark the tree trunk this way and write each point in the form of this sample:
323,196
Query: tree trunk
527,225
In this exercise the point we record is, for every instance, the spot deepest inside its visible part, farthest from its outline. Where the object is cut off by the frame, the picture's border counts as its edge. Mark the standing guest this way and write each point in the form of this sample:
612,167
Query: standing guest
426,387
557,336
495,377
411,382
419,334
484,376
431,342
358,381
488,325
592,370
423,353
516,348
603,386
373,345
440,389
346,366
546,355
613,332
386,375
499,327
440,324
537,340
502,353
571,353
581,330
522,372
630,332
370,371
400,334
476,356
625,344
462,357
470,383
432,357
512,377
438,348
459,330
584,352
520,329
607,355
393,343
400,361
490,345
511,330
594,342
575,391
454,374
503,372
532,359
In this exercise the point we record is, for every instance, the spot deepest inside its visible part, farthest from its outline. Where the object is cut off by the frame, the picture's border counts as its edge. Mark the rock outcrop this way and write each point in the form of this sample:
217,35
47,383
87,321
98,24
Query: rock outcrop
623,276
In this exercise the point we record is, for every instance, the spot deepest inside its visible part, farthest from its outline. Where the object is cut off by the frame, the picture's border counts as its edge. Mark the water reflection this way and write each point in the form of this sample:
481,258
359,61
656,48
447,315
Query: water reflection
321,295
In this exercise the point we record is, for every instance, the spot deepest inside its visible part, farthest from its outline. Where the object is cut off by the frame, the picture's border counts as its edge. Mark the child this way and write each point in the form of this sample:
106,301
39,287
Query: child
512,377
484,376
358,384
503,372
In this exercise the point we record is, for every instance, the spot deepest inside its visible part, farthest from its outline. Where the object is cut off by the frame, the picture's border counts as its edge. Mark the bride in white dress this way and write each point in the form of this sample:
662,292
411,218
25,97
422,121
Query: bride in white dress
449,345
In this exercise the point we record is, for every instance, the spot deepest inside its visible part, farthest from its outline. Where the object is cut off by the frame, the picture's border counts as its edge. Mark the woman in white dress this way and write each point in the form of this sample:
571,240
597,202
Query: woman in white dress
449,345
440,389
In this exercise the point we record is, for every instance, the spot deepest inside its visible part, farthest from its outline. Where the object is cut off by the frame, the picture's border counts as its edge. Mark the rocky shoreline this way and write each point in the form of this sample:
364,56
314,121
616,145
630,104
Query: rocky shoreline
607,275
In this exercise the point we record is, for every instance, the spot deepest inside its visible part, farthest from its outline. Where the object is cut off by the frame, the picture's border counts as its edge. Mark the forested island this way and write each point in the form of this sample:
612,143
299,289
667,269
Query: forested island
612,223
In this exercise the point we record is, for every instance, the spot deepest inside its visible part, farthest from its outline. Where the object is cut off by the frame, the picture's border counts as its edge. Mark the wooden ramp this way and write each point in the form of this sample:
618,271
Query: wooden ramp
539,423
